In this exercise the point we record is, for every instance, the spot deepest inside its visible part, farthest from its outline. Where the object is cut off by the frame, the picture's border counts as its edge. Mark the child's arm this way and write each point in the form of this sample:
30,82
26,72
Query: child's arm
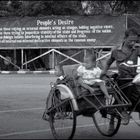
98,73
80,71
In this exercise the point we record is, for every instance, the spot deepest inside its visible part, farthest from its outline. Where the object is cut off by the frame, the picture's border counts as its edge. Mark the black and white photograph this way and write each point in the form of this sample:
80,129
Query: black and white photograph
69,69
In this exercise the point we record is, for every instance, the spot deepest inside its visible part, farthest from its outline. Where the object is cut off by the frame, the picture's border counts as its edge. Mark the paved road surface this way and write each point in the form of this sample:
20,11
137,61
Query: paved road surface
22,100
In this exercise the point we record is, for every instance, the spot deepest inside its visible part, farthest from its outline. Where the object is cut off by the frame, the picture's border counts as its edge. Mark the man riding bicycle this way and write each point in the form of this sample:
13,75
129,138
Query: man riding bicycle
127,53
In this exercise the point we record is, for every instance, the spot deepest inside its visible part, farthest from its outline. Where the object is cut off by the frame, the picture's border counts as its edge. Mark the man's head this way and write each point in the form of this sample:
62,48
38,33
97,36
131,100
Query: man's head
131,37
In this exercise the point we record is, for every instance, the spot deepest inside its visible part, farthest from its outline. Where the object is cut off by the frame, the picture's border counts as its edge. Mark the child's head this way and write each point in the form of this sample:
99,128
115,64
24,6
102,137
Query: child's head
90,61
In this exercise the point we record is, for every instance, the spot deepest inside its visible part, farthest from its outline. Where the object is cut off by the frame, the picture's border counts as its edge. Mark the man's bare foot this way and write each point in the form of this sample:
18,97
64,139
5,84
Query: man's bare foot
125,118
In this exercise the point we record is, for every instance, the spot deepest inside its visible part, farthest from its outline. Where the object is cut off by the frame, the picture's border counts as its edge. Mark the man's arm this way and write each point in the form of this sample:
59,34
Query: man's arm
108,64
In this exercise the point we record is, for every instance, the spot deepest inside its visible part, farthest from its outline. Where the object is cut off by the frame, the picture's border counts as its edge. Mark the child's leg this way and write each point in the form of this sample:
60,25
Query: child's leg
103,88
88,87
80,81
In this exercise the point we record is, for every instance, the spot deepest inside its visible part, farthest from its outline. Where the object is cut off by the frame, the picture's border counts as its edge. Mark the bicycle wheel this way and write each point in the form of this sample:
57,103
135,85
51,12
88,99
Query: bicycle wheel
106,123
63,119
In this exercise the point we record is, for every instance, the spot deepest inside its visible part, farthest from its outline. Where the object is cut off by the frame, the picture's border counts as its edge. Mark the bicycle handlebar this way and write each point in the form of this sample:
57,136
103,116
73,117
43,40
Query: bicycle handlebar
129,65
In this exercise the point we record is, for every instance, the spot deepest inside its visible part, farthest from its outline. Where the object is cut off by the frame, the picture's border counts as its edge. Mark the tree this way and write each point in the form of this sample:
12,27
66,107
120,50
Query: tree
35,8
115,7
51,7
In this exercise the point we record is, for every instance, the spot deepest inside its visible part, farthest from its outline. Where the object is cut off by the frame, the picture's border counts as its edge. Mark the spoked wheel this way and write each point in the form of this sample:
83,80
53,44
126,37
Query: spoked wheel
63,119
107,121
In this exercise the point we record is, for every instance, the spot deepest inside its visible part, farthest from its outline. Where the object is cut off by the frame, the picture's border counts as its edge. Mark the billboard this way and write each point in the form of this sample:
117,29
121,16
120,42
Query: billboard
61,31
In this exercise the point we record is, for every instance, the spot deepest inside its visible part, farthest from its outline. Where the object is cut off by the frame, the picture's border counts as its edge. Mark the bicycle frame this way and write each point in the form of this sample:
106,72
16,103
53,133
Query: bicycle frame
138,100
133,82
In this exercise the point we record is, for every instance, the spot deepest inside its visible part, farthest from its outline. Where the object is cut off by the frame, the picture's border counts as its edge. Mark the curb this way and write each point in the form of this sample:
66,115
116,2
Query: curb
28,72
51,72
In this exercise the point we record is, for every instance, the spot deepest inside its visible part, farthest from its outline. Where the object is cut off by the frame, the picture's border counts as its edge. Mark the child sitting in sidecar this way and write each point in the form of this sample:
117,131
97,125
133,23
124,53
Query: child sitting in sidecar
89,75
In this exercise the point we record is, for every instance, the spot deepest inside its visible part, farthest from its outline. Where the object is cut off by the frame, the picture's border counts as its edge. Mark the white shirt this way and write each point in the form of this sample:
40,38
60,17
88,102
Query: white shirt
89,76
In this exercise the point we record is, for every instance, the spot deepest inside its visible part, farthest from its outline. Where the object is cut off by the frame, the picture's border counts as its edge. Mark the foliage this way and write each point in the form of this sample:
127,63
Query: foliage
51,7
115,7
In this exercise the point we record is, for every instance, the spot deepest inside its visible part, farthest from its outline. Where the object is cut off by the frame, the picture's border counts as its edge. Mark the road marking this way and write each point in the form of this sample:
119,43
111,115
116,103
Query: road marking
47,130
19,110
43,130
24,132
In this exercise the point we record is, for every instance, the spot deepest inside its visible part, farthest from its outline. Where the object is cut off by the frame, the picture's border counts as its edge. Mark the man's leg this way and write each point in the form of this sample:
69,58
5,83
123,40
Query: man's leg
127,91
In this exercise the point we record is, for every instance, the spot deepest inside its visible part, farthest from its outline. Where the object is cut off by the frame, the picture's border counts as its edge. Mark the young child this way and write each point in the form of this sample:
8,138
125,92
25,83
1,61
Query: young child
89,74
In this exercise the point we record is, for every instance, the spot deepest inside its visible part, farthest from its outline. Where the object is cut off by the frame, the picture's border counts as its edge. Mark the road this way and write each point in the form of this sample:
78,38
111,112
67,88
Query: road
22,102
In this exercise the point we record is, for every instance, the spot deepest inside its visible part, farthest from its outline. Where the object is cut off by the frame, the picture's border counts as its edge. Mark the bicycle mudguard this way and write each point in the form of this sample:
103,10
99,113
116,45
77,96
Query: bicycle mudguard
67,93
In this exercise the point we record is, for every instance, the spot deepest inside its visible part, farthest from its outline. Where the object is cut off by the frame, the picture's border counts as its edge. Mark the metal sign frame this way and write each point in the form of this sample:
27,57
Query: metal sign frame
56,49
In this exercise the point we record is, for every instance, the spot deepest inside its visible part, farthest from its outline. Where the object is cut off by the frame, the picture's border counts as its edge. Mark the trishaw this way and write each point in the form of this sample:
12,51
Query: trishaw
67,100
